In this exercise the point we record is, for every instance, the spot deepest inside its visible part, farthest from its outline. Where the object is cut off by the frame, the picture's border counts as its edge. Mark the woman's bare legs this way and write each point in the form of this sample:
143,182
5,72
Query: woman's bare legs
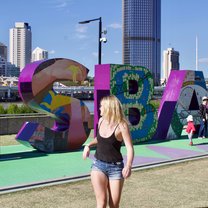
100,185
114,189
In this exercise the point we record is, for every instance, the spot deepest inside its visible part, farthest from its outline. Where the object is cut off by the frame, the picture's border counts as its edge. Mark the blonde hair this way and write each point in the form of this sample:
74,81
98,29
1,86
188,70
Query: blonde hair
112,109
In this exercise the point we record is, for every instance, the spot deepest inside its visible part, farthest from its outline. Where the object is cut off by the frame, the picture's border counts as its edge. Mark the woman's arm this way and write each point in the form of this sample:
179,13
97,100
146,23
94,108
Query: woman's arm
86,151
87,147
130,150
92,143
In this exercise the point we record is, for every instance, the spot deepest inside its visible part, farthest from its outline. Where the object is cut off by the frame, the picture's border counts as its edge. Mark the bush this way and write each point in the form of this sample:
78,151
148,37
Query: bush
25,109
2,110
13,109
16,109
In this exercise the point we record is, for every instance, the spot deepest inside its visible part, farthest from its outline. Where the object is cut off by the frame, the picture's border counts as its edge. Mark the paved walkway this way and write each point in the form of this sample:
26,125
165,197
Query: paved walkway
22,166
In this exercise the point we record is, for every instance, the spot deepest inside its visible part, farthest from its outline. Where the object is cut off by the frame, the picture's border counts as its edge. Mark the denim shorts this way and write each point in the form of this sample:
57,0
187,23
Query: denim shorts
112,170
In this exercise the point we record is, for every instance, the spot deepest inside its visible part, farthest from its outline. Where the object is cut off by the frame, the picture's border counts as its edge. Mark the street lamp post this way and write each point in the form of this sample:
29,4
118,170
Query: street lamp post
99,36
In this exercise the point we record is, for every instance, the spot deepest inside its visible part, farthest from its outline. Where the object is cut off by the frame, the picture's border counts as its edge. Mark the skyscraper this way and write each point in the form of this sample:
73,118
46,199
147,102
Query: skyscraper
141,35
20,44
3,51
39,54
170,61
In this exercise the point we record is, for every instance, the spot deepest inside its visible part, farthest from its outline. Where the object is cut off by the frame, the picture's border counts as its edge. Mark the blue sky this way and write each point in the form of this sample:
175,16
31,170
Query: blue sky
55,28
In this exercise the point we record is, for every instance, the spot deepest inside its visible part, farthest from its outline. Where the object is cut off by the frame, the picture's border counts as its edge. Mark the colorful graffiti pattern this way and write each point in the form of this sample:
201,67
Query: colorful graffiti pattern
137,89
182,97
71,116
133,86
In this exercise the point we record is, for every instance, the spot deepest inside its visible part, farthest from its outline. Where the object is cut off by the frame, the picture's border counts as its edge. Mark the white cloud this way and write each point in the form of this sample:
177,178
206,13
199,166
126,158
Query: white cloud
60,4
81,28
81,31
115,26
52,52
116,52
203,60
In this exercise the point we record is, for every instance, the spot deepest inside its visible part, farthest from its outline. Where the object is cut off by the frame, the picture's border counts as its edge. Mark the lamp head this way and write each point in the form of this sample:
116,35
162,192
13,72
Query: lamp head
84,22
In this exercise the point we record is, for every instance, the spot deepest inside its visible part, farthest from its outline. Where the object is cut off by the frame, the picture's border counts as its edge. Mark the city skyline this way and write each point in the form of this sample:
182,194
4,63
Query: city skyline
55,28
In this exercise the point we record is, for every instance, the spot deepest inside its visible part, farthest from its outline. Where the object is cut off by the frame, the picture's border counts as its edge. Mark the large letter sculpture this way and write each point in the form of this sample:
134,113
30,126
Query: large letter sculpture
182,97
71,127
133,86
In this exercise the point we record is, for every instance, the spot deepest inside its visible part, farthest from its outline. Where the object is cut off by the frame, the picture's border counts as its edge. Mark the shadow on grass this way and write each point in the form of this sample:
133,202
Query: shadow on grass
203,143
35,153
22,155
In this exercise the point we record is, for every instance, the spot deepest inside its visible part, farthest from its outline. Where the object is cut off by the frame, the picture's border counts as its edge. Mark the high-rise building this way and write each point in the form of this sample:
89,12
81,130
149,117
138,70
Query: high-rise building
141,35
20,44
3,65
8,69
12,70
39,54
3,51
170,61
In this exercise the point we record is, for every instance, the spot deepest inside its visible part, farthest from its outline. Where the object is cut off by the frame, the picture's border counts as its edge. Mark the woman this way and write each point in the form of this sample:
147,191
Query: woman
203,111
108,171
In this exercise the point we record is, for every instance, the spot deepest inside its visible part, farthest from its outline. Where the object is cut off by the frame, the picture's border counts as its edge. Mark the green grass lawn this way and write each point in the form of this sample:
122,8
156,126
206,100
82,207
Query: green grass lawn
180,185
6,140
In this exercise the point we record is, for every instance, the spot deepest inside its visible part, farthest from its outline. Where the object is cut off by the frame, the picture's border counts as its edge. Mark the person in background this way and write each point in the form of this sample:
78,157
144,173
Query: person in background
108,171
190,128
203,111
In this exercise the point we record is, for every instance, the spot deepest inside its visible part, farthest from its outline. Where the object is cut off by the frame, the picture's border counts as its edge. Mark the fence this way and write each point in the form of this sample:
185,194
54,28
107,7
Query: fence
11,124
